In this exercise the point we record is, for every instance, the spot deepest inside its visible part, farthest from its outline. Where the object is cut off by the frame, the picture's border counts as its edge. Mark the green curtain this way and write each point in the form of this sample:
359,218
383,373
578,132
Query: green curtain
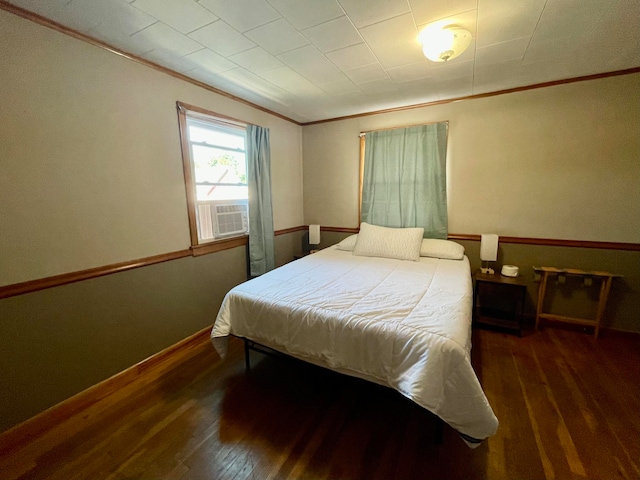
261,250
404,180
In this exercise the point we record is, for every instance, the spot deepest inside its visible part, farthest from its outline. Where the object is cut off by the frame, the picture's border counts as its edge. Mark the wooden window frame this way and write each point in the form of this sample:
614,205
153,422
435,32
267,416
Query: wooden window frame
198,247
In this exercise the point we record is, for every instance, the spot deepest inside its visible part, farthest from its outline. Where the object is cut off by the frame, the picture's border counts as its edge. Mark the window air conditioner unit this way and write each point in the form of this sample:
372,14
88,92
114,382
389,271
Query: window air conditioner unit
216,220
231,219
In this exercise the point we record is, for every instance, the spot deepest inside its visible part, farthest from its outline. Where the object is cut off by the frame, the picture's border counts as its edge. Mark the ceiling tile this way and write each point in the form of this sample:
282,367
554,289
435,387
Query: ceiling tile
203,75
256,60
222,39
242,15
515,43
420,90
118,40
163,36
452,70
311,64
552,69
502,52
86,15
118,35
456,88
607,55
568,12
277,37
618,44
394,42
542,49
312,108
332,35
500,21
247,86
352,57
291,81
366,73
210,61
246,80
496,76
625,15
579,23
383,85
427,11
352,100
169,60
339,87
373,11
307,13
183,15
408,73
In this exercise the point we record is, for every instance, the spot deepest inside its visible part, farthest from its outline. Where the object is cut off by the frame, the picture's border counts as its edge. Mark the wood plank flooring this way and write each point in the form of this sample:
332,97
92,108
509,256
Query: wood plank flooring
568,407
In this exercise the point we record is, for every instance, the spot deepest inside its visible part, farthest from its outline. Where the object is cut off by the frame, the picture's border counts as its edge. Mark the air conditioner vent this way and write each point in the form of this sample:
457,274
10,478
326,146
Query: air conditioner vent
231,219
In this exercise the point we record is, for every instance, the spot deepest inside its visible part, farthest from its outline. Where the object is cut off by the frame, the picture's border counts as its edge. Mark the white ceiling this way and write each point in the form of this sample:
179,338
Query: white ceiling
317,59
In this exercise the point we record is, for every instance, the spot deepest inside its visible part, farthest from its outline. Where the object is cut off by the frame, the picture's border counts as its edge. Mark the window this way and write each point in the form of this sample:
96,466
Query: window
403,178
215,167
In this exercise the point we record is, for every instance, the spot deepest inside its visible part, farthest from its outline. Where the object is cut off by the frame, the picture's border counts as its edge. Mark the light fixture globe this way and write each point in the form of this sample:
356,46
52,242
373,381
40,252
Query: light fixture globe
444,44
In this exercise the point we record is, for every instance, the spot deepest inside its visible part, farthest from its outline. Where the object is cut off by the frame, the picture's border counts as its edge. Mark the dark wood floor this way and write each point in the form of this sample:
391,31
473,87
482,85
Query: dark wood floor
568,408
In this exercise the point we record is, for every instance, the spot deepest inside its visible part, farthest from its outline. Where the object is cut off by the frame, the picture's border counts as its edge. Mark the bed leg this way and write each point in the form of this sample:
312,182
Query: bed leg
439,429
247,357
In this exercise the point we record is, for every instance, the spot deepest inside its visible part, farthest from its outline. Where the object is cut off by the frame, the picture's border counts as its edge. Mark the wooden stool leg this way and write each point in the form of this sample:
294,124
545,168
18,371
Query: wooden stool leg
541,292
604,294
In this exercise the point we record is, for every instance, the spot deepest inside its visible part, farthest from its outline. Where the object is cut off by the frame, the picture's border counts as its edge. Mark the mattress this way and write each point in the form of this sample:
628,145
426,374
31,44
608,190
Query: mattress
399,323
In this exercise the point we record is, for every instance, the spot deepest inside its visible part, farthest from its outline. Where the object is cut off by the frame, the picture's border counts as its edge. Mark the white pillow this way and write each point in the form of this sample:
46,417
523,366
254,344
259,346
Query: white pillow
348,243
432,247
400,243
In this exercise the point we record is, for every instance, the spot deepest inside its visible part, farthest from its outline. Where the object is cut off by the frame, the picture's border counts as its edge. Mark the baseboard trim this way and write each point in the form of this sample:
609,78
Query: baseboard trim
77,406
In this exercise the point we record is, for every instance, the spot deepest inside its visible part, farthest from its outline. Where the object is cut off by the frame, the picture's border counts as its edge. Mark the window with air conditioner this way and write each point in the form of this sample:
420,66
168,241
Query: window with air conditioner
215,163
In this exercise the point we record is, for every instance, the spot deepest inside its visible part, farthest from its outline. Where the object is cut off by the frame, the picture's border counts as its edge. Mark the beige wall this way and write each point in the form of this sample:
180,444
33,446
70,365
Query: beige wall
91,174
558,162
91,169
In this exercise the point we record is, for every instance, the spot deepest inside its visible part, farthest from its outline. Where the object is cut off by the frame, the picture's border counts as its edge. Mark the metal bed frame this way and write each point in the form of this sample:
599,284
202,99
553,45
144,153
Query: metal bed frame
257,347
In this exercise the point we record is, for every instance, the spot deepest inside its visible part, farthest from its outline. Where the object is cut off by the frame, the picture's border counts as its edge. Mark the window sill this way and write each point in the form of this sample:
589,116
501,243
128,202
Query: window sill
219,245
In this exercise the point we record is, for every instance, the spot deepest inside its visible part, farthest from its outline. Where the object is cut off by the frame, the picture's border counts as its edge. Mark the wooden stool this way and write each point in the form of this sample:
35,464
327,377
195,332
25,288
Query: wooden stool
605,277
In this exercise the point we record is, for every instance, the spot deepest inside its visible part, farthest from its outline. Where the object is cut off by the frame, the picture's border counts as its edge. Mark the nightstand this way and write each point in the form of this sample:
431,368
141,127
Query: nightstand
498,301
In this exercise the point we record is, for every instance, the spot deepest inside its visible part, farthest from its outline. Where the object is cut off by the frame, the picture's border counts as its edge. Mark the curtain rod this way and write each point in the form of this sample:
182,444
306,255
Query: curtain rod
402,126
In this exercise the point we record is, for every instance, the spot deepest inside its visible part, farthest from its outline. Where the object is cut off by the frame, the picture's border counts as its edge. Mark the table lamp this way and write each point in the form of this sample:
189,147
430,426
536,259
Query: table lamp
314,237
488,251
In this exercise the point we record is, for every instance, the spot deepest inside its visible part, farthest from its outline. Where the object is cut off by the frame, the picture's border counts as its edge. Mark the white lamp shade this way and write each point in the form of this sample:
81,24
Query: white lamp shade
314,234
489,247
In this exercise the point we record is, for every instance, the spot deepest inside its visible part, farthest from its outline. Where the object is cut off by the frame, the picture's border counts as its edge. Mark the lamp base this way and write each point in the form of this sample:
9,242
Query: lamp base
487,271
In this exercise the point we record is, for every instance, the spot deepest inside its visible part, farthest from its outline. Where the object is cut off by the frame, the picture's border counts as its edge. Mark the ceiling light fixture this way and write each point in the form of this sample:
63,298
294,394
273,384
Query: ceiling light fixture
441,44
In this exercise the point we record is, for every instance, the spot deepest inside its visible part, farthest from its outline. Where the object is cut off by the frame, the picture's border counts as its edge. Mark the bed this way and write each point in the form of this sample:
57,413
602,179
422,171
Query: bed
403,324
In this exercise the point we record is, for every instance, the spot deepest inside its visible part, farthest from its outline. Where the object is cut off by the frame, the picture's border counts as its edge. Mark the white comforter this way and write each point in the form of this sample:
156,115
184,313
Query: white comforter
399,323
